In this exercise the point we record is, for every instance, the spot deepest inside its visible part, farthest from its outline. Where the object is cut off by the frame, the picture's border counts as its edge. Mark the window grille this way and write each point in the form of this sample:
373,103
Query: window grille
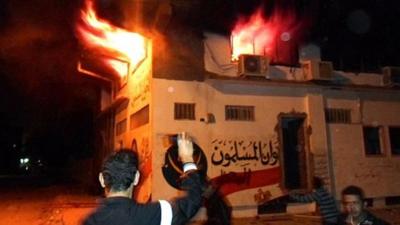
337,115
240,113
184,111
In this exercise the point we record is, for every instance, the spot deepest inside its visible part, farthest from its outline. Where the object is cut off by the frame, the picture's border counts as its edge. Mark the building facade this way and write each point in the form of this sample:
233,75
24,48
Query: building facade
257,135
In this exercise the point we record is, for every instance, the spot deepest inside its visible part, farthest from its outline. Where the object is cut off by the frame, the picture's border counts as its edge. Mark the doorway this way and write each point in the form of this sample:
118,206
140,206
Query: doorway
294,151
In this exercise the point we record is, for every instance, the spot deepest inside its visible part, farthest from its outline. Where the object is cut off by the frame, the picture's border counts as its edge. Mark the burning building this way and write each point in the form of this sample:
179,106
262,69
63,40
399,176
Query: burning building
258,127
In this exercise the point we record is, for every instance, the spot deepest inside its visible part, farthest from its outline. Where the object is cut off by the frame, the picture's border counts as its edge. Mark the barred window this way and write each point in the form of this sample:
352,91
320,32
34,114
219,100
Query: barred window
242,113
337,115
121,127
184,111
139,118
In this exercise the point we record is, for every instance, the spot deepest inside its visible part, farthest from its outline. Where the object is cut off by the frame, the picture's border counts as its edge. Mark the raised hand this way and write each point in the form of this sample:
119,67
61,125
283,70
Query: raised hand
185,148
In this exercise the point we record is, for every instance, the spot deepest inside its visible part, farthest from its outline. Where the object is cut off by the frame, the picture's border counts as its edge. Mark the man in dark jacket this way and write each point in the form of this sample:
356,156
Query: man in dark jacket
354,209
119,176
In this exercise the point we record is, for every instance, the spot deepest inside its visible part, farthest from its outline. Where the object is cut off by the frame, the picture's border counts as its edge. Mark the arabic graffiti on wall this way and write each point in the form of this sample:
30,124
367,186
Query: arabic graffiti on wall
238,181
238,152
250,156
141,91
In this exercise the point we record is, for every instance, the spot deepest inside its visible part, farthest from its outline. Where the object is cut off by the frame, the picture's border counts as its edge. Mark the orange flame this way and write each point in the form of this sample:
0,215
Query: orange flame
255,36
261,36
110,40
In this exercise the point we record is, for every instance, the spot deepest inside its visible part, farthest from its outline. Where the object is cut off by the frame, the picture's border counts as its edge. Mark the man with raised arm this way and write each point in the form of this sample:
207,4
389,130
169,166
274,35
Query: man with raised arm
120,174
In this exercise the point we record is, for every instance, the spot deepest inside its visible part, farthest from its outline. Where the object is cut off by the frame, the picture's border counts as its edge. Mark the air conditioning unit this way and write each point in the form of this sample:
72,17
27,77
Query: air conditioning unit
253,65
317,70
391,76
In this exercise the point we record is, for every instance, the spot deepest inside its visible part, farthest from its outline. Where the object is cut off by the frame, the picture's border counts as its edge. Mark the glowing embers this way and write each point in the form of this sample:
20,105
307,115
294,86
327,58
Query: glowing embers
117,47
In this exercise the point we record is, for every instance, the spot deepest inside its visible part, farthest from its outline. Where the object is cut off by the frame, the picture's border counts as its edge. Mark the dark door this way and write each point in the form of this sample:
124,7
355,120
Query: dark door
294,152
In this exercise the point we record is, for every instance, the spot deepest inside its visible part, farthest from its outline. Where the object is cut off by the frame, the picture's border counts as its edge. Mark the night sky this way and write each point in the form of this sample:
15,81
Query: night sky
47,108
357,35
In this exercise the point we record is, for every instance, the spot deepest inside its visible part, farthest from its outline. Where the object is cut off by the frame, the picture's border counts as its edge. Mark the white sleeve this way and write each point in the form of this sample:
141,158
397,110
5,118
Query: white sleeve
189,166
166,212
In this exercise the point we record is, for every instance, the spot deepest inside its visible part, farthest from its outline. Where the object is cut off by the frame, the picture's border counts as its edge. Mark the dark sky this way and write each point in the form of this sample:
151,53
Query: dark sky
357,35
42,94
43,100
360,35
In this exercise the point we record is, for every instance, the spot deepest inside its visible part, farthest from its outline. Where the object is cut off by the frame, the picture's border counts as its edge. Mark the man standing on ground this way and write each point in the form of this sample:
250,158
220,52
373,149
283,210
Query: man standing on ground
354,209
119,176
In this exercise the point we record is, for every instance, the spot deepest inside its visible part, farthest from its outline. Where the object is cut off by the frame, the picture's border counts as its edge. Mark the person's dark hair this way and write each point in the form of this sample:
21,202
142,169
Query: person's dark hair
119,170
317,182
353,190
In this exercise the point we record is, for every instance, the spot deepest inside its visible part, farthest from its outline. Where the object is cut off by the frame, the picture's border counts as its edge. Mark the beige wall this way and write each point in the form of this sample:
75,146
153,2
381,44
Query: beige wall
320,153
379,176
335,151
329,143
269,103
137,90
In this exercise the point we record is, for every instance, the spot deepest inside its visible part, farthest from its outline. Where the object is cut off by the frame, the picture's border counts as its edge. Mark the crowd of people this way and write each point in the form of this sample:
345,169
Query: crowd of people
120,175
